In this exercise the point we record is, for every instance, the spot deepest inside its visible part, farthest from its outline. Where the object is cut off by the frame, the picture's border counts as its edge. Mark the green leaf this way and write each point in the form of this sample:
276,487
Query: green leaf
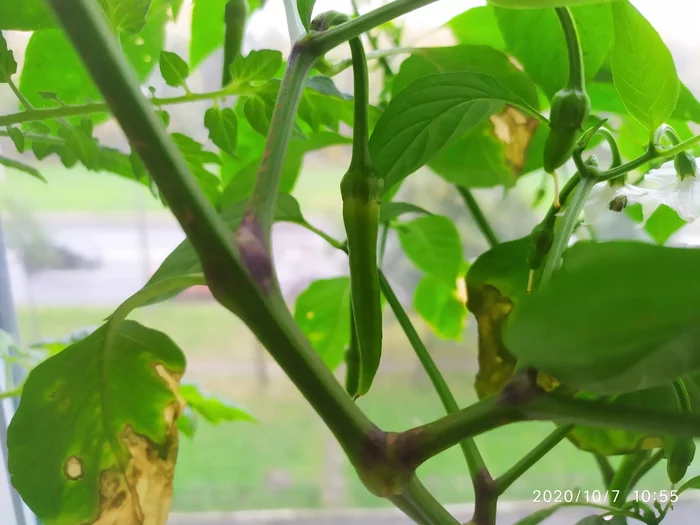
692,483
306,9
17,138
478,26
208,29
643,69
662,224
183,259
434,246
477,160
81,143
8,64
431,113
243,179
258,110
465,58
110,409
25,15
51,64
197,159
544,58
174,70
440,307
642,301
257,67
393,210
323,313
213,409
529,4
223,128
128,16
20,166
143,48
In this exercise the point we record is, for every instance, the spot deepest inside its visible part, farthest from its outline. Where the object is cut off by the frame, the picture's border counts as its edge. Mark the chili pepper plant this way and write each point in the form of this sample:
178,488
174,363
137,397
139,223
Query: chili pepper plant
600,338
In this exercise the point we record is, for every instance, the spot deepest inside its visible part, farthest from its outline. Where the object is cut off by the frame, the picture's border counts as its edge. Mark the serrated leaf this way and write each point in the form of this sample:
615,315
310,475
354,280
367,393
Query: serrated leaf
434,246
213,409
545,58
431,113
223,128
389,211
645,336
110,407
322,311
306,9
81,143
258,110
197,158
143,48
257,67
440,307
173,69
126,15
17,138
643,69
20,166
8,64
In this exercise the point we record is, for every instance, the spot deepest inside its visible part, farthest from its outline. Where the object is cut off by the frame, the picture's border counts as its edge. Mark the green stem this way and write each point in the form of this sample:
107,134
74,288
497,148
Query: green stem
388,72
666,131
22,99
573,45
681,147
32,115
471,453
564,232
606,469
227,278
504,481
645,468
382,242
323,42
624,169
261,206
479,218
421,506
11,393
625,473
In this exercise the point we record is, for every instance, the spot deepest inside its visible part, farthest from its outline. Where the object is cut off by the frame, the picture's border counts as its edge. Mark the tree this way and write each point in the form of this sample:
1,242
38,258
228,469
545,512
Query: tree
595,337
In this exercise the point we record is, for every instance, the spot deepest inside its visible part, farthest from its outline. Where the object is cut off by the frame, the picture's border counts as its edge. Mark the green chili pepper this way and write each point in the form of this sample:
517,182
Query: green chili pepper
352,359
679,452
235,15
570,105
361,189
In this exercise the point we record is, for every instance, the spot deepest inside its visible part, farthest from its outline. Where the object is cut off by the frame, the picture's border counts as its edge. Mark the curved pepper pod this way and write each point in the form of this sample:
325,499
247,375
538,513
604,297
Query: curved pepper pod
361,190
679,453
570,109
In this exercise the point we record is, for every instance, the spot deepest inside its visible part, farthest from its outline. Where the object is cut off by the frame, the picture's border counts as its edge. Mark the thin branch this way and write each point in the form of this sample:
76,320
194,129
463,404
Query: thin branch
606,469
479,218
22,99
373,55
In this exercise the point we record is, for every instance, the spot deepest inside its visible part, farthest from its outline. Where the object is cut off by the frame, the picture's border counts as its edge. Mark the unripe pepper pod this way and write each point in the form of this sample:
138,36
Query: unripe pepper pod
361,190
570,109
352,360
679,453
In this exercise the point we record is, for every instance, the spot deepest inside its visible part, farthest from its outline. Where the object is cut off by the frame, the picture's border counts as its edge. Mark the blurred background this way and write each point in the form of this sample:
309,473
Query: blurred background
81,244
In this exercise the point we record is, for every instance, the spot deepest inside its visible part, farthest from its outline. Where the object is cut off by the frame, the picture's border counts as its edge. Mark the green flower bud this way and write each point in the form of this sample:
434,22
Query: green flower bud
685,165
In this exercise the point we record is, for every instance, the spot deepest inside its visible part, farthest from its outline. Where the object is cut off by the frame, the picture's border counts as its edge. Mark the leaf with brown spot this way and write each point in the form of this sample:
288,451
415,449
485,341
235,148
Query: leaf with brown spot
514,129
94,440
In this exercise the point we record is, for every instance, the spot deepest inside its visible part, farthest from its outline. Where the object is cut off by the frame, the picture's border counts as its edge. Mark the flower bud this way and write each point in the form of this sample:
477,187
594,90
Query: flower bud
685,165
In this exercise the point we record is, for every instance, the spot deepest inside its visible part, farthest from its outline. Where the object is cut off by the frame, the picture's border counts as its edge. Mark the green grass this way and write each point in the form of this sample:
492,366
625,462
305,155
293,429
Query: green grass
284,460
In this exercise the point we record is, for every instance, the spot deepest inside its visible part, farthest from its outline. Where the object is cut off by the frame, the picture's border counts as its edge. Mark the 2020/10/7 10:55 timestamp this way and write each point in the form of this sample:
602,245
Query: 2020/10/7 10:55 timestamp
602,496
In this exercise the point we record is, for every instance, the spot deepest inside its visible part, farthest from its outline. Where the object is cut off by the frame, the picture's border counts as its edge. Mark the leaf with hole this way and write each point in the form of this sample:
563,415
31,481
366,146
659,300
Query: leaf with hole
431,113
110,405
